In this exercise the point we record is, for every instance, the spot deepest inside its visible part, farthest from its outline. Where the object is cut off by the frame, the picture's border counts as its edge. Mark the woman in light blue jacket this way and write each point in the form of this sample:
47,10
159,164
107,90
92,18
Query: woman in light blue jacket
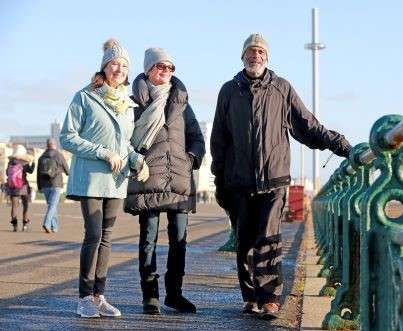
97,131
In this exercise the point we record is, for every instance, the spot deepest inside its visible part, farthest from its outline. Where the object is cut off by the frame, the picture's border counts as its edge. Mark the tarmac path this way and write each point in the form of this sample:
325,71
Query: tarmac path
38,276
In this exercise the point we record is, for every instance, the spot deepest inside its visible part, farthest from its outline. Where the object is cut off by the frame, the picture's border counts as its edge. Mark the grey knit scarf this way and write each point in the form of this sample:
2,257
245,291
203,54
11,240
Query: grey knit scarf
153,118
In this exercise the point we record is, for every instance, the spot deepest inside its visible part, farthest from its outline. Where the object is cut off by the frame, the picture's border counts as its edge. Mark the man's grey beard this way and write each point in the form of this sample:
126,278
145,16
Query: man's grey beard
255,71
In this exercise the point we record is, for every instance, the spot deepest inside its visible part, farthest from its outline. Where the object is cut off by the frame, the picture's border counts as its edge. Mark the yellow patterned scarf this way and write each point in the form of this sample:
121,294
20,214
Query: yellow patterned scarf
116,99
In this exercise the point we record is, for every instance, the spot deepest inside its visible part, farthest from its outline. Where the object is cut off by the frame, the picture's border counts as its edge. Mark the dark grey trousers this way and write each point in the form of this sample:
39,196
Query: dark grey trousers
99,216
257,220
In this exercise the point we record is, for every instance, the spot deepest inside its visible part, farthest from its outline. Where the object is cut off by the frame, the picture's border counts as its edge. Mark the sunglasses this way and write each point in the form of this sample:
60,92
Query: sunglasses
163,67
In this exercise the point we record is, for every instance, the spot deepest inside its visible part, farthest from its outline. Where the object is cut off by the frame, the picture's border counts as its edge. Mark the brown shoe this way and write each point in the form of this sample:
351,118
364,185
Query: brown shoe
250,308
269,311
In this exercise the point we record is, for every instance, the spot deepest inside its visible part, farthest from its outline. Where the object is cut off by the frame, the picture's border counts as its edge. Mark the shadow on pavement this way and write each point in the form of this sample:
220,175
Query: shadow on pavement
211,283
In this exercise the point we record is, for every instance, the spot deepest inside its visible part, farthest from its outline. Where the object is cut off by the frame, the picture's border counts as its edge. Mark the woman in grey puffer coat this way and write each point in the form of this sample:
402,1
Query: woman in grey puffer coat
168,135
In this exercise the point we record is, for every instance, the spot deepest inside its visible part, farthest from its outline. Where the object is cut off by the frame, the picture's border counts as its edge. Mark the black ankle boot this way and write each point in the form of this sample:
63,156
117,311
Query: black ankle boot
151,303
151,306
14,223
180,303
174,298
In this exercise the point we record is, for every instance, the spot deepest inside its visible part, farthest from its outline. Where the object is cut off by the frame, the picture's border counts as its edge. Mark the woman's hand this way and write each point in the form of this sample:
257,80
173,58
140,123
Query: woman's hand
114,160
144,173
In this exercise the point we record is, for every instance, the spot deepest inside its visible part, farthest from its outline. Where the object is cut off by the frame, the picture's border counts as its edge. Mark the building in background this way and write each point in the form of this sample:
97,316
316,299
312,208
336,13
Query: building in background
37,141
204,178
55,132
29,142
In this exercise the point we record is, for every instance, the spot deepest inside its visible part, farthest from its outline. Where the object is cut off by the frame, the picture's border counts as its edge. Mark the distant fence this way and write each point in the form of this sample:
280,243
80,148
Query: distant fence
358,225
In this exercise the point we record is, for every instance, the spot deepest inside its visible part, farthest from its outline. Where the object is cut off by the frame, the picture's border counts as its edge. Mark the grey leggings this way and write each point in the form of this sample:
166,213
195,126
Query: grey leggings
99,216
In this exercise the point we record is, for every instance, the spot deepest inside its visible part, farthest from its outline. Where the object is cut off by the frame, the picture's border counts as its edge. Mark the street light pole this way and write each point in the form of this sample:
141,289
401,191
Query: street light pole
315,47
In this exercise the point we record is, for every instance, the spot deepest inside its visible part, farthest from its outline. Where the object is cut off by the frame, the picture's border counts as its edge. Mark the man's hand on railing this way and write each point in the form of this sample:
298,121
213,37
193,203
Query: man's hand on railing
344,148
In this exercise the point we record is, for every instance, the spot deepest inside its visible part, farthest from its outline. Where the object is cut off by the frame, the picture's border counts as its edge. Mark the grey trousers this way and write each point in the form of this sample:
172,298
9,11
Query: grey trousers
99,216
257,220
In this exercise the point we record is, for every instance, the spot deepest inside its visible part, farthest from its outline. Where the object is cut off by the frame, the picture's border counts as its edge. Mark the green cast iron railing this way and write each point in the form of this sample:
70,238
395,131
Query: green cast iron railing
360,244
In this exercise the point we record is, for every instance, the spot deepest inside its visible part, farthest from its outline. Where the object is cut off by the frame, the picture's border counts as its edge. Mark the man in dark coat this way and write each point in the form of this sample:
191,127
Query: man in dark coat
51,166
168,135
250,148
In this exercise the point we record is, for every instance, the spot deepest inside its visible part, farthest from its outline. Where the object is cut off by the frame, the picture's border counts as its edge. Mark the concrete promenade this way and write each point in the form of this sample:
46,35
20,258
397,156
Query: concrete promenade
38,276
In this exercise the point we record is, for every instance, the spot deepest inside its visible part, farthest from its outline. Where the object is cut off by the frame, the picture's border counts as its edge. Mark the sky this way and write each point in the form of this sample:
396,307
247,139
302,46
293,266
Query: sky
50,50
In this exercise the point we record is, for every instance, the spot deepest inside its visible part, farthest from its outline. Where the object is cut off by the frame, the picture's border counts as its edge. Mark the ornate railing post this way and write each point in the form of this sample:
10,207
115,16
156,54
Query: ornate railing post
381,237
335,263
326,230
344,312
358,237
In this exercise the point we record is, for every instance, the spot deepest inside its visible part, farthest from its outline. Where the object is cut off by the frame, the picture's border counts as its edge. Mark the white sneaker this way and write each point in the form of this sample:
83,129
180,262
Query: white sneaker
105,308
87,308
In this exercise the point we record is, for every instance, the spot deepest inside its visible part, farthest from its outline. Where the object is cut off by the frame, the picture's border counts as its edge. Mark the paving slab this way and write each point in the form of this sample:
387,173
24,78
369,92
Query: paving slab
315,307
38,276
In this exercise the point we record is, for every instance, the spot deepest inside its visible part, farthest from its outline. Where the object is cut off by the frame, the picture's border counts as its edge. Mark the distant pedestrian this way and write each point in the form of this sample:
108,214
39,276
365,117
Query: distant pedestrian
168,135
97,131
20,164
256,111
51,166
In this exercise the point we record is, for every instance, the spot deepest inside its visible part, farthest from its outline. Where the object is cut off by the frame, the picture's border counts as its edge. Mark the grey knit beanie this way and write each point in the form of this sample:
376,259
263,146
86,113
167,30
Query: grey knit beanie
257,40
113,50
155,55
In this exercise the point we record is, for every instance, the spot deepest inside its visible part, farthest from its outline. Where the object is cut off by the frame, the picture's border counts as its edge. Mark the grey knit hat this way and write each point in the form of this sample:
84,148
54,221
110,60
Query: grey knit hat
113,50
155,55
257,40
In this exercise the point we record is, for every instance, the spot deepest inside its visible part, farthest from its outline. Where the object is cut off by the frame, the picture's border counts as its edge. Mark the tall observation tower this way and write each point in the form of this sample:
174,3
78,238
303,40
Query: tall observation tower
315,46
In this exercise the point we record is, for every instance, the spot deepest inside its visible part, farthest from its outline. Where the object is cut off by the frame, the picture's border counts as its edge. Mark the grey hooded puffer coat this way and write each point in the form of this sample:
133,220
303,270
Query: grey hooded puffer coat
177,149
